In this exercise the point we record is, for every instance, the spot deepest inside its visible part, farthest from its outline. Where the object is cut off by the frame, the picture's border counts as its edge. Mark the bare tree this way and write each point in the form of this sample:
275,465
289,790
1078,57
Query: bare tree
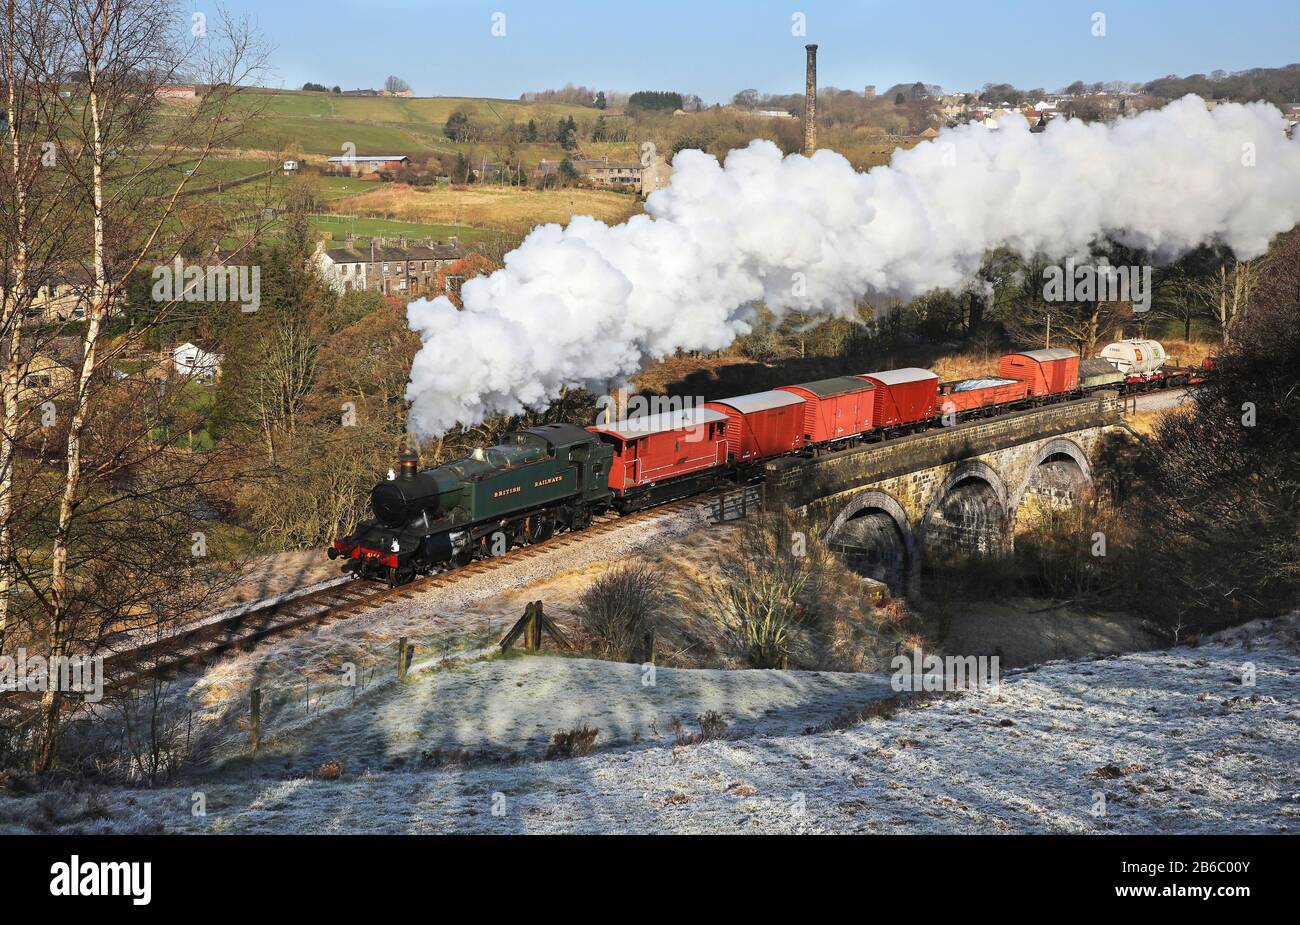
36,226
93,72
1227,292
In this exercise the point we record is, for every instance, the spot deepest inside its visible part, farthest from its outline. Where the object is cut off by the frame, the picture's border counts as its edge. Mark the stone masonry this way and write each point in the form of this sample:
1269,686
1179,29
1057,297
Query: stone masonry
966,488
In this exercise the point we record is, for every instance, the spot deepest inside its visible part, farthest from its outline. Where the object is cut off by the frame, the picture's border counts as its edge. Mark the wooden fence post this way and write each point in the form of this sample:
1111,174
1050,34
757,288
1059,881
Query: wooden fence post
531,626
255,710
401,658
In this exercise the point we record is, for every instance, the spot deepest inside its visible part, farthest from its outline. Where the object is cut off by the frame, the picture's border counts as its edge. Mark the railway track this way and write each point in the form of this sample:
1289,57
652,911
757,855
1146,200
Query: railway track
211,637
204,640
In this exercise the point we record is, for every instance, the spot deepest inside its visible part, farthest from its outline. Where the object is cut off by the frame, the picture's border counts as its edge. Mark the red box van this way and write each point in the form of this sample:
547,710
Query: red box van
1051,371
903,396
835,409
762,425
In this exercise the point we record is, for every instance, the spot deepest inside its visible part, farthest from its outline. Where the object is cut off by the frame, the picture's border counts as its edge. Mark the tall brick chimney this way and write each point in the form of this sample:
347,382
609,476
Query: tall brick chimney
810,104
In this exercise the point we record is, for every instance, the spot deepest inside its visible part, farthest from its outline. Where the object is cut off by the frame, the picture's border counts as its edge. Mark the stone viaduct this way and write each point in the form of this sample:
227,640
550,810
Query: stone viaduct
966,488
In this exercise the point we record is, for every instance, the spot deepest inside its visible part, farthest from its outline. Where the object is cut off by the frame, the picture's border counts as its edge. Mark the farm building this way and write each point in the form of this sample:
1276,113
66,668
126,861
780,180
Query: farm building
357,164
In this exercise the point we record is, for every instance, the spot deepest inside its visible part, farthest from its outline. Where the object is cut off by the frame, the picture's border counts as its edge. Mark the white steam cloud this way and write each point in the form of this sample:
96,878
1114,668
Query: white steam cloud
591,304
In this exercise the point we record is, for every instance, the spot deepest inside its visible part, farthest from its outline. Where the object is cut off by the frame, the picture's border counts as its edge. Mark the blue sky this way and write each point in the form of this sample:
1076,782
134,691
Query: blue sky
716,47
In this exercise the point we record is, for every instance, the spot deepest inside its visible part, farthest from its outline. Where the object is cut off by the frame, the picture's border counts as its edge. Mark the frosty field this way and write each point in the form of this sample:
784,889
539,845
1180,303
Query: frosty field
1172,740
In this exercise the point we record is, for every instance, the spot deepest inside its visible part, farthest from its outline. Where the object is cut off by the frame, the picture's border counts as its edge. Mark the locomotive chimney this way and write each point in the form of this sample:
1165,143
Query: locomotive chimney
406,465
810,104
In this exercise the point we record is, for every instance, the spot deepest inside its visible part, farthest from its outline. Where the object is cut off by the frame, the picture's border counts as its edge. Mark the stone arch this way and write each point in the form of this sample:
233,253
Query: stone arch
873,535
985,520
1060,468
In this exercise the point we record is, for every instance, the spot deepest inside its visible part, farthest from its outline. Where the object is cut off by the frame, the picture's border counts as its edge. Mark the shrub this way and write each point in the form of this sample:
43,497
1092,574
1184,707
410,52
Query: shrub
712,726
572,744
777,578
1056,555
620,610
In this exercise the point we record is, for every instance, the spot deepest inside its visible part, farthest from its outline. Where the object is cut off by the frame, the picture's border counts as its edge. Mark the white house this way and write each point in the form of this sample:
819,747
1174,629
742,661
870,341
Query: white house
192,360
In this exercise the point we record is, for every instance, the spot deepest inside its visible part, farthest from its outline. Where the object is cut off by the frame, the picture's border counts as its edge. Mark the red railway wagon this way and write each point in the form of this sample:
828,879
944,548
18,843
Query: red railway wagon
834,409
902,396
1051,371
762,425
984,394
657,448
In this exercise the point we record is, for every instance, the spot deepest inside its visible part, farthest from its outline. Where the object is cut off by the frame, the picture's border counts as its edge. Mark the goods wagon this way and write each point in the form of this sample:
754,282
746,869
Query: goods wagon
1096,373
762,425
980,395
1135,358
903,397
1052,371
655,455
834,409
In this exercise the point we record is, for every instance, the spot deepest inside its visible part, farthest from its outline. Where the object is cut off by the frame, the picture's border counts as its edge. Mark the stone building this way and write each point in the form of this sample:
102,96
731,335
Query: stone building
387,266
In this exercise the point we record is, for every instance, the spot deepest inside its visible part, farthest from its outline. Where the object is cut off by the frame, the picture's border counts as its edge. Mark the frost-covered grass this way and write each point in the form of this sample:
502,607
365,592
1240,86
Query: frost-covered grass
1173,740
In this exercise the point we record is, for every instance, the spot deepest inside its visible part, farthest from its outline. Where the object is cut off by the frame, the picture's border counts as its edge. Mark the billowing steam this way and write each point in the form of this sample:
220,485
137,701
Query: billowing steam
591,304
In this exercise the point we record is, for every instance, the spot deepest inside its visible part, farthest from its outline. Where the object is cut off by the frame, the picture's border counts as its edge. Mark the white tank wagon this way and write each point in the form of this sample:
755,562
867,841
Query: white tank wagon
1135,357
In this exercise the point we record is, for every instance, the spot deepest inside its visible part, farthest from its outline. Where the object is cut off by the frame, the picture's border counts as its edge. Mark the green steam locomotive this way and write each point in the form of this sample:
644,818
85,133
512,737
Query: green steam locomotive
521,491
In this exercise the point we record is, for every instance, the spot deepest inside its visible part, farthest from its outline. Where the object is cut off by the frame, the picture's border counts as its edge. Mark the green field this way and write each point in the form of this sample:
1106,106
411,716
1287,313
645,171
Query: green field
322,123
339,227
339,187
363,229
214,170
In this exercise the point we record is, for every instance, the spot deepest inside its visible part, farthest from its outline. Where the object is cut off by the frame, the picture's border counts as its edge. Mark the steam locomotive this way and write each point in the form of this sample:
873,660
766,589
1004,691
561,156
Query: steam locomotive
558,476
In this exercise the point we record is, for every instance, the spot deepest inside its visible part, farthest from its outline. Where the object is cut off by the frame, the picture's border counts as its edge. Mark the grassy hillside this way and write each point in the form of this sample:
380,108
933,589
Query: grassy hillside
321,123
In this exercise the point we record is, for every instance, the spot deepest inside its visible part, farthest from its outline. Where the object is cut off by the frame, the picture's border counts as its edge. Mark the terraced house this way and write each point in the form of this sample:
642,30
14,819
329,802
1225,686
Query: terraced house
66,296
386,266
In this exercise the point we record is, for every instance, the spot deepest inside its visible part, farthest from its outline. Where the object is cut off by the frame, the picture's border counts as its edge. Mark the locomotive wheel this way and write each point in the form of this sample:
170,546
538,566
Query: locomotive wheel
581,519
538,528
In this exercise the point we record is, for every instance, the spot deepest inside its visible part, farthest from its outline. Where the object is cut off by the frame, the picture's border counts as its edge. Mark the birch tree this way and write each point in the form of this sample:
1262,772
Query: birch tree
116,149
